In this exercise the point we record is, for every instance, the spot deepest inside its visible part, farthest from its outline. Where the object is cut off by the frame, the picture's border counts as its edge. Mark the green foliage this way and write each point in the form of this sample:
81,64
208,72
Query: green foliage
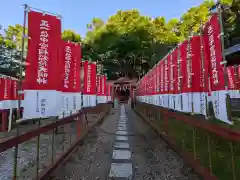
96,24
227,2
125,43
130,43
10,47
231,22
193,18
69,35
13,37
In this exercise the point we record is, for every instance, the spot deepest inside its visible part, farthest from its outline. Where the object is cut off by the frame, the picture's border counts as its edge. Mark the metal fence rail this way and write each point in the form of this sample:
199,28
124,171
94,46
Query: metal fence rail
38,152
213,151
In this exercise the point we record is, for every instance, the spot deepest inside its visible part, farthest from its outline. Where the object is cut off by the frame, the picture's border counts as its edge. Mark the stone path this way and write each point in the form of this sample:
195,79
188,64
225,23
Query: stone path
124,147
93,158
121,166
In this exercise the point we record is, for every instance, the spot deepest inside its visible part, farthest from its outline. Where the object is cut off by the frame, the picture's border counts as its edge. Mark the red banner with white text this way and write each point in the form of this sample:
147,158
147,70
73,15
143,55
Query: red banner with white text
104,85
161,66
199,95
213,49
89,78
44,33
197,80
98,79
175,71
76,67
66,66
70,67
5,89
14,84
185,72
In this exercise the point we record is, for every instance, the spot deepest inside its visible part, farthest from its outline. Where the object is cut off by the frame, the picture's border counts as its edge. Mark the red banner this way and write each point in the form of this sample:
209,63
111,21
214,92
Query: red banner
161,64
166,75
14,85
5,89
238,77
206,62
171,73
175,70
231,78
89,78
214,52
145,85
197,80
104,85
76,67
158,78
150,83
2,85
98,79
155,80
185,70
66,67
70,67
44,33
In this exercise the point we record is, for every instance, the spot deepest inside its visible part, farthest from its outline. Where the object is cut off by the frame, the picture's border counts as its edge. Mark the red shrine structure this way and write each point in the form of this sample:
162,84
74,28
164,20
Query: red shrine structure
123,88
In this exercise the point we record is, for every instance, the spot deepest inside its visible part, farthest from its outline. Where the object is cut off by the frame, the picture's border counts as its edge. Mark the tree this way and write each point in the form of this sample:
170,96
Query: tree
192,20
231,21
95,24
129,43
70,35
13,36
10,46
123,44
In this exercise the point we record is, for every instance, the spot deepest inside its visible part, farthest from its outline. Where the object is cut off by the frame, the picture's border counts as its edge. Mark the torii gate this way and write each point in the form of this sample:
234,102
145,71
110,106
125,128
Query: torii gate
123,88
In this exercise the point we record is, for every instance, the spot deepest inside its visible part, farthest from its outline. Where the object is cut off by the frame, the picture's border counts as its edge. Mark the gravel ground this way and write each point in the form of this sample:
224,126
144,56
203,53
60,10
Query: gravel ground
28,150
152,158
92,160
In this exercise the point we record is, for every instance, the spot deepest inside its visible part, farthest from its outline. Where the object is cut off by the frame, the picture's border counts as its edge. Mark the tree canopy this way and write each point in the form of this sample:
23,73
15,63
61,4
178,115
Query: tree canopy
69,35
129,43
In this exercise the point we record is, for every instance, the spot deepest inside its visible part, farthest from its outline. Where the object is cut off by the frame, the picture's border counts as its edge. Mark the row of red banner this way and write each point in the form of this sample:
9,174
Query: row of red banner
94,84
8,89
54,63
54,79
190,72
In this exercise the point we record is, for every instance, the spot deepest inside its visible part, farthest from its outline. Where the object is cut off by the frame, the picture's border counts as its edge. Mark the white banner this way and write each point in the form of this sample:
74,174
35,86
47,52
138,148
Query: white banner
41,103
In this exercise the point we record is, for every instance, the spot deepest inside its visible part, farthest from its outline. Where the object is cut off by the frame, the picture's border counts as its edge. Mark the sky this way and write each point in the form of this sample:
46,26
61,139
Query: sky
78,13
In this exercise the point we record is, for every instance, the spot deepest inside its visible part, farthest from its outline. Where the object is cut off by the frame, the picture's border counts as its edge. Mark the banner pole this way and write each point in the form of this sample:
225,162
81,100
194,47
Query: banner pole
22,58
15,163
41,10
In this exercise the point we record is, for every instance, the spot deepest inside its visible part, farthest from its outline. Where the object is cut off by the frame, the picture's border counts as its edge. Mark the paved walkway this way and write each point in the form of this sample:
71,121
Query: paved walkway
122,155
124,147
